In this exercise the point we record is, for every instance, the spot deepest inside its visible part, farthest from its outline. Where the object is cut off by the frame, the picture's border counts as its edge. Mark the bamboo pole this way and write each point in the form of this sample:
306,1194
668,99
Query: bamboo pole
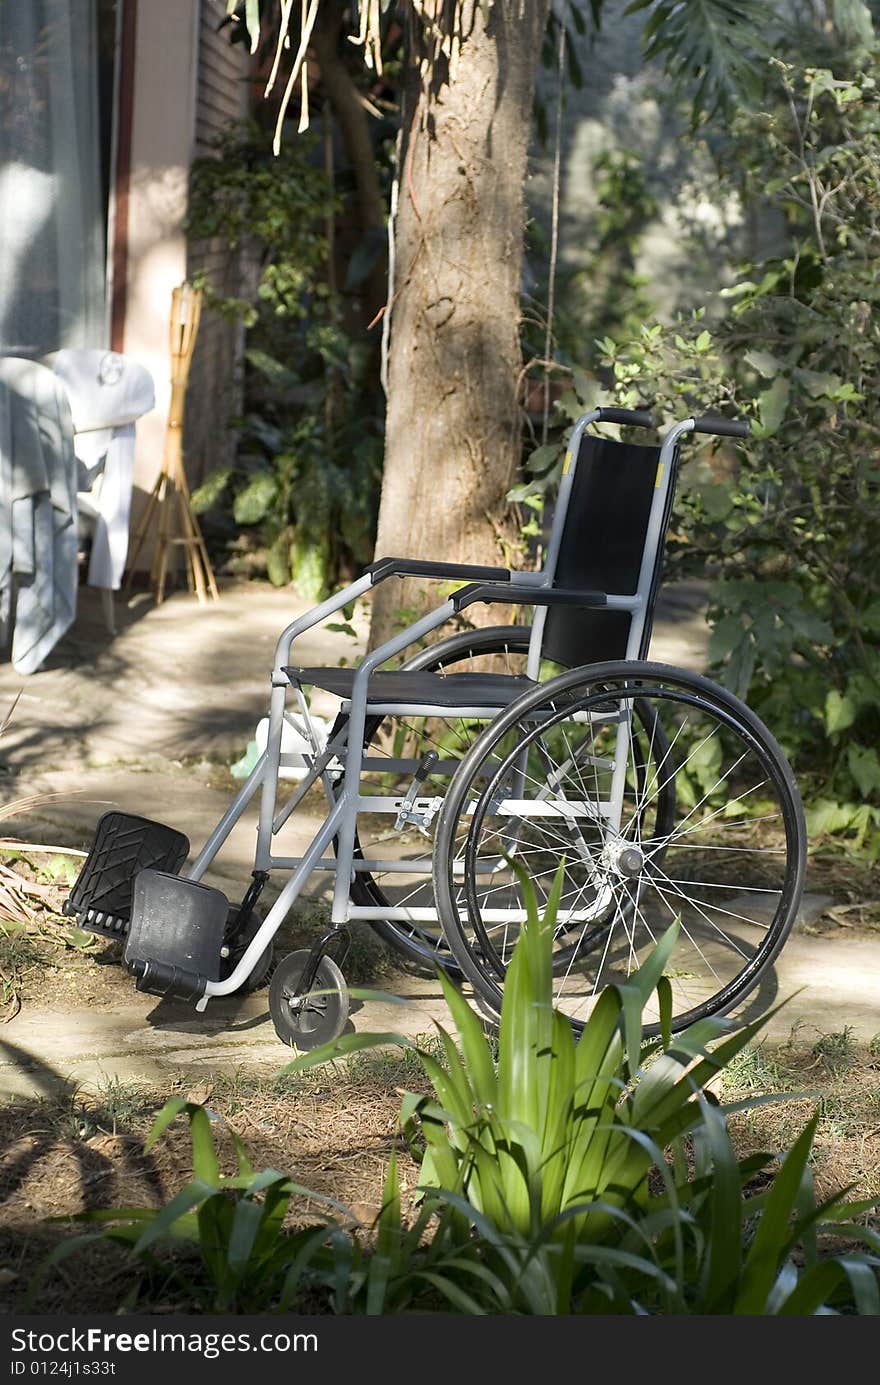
169,499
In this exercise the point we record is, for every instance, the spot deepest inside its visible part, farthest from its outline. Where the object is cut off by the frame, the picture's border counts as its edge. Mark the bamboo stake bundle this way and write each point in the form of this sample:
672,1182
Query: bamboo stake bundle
170,497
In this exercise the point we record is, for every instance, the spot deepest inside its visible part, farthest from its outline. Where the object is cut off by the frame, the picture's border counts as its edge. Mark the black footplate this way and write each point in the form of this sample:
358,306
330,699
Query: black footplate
177,929
101,897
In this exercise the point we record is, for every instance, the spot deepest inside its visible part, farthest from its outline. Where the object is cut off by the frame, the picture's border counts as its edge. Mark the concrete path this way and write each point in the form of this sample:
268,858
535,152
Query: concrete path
832,983
150,1041
149,722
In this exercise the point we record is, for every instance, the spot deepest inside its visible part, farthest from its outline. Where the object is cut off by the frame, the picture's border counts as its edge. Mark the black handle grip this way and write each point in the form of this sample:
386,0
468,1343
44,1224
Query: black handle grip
636,418
722,427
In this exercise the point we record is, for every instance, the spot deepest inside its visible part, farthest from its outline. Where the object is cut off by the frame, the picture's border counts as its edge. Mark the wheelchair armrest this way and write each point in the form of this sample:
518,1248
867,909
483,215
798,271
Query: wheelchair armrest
527,596
414,567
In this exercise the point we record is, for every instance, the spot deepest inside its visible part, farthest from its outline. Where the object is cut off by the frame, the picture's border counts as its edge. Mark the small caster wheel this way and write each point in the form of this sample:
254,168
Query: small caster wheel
309,1020
260,974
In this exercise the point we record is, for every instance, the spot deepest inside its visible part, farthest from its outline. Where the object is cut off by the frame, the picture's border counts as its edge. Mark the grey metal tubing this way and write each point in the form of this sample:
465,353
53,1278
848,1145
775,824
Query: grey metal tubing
278,913
314,770
299,793
551,556
392,766
652,537
270,780
280,683
296,798
314,617
367,865
330,752
227,822
357,717
643,588
418,914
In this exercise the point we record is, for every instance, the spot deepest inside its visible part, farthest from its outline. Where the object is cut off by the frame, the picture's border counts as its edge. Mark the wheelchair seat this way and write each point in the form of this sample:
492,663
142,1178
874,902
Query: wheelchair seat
405,688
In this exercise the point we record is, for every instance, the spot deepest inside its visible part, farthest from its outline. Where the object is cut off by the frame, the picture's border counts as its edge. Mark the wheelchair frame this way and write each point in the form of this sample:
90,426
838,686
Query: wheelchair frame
532,588
499,803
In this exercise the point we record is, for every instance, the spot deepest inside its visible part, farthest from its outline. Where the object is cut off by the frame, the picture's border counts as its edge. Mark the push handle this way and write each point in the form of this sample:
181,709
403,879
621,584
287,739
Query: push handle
636,418
722,427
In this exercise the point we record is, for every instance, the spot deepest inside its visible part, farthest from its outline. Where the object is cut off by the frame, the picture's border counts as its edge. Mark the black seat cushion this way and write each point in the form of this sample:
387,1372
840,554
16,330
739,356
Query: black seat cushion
424,689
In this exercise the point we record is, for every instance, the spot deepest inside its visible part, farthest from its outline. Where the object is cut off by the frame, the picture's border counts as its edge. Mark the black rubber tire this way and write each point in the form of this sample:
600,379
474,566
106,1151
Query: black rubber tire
581,688
323,1014
260,974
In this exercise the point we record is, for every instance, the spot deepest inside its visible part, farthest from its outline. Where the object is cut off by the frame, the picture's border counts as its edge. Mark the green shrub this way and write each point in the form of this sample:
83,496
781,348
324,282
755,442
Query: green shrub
582,1177
305,486
786,525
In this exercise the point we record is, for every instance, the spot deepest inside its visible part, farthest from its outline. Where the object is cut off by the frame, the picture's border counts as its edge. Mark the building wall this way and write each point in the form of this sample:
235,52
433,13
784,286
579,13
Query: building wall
215,393
163,119
186,83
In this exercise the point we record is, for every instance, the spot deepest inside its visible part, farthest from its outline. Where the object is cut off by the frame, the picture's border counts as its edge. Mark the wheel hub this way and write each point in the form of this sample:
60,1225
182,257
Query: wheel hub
623,859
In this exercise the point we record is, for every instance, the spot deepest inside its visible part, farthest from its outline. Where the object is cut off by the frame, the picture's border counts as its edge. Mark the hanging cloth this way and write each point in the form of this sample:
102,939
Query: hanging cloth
107,393
38,531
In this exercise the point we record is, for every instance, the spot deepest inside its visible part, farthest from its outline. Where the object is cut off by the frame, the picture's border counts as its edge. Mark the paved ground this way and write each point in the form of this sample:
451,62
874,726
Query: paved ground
147,722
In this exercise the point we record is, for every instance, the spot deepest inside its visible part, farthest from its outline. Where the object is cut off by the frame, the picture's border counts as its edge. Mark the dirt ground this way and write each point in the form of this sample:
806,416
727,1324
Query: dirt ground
78,1148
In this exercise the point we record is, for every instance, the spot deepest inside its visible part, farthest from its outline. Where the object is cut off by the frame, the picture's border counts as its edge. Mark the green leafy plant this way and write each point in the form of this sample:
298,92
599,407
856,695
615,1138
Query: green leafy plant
300,502
234,1222
785,524
599,1174
595,1176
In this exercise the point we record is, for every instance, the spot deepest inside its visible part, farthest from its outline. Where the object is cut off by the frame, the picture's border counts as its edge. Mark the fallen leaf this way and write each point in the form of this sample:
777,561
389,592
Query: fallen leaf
200,1093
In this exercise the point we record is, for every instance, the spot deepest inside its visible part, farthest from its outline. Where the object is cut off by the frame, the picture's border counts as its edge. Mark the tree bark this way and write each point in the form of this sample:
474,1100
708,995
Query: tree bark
453,423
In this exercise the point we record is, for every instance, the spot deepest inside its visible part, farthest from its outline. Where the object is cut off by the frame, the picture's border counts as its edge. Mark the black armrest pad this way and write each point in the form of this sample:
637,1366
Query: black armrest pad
414,567
527,596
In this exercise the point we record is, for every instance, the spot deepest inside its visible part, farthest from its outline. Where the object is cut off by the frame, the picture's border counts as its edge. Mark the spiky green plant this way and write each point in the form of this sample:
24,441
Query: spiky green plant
589,1176
557,1124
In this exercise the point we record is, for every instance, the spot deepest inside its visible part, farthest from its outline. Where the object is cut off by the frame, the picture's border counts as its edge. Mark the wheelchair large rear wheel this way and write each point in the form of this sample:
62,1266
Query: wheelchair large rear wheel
684,809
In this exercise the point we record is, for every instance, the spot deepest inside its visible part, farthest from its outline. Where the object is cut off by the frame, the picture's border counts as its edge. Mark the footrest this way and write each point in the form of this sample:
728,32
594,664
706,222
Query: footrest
101,897
176,933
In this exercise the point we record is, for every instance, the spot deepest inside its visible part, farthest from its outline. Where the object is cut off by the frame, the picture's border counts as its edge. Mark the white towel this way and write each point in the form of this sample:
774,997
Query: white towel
107,393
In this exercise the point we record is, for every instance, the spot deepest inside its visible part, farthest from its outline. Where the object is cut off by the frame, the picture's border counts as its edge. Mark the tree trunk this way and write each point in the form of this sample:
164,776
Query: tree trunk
453,423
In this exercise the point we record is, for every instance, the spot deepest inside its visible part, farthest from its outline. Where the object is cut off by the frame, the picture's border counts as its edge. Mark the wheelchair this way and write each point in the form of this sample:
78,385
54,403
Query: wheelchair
489,756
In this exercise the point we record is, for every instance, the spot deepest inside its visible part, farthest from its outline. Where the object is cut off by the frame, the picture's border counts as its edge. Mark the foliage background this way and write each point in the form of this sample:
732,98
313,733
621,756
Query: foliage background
784,528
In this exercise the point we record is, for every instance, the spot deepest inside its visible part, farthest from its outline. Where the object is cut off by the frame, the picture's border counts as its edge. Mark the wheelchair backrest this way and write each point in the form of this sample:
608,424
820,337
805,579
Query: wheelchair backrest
600,545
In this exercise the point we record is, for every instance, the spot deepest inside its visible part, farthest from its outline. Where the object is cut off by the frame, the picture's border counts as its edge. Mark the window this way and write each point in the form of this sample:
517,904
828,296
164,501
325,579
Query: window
57,64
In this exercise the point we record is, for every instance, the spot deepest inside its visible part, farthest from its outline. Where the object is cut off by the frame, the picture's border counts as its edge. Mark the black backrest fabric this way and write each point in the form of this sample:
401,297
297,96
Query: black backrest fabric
602,545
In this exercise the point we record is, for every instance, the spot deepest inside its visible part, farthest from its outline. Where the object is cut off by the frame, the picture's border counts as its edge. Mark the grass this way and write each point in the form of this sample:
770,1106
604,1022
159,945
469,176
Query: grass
755,1071
836,1051
832,1073
369,1072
